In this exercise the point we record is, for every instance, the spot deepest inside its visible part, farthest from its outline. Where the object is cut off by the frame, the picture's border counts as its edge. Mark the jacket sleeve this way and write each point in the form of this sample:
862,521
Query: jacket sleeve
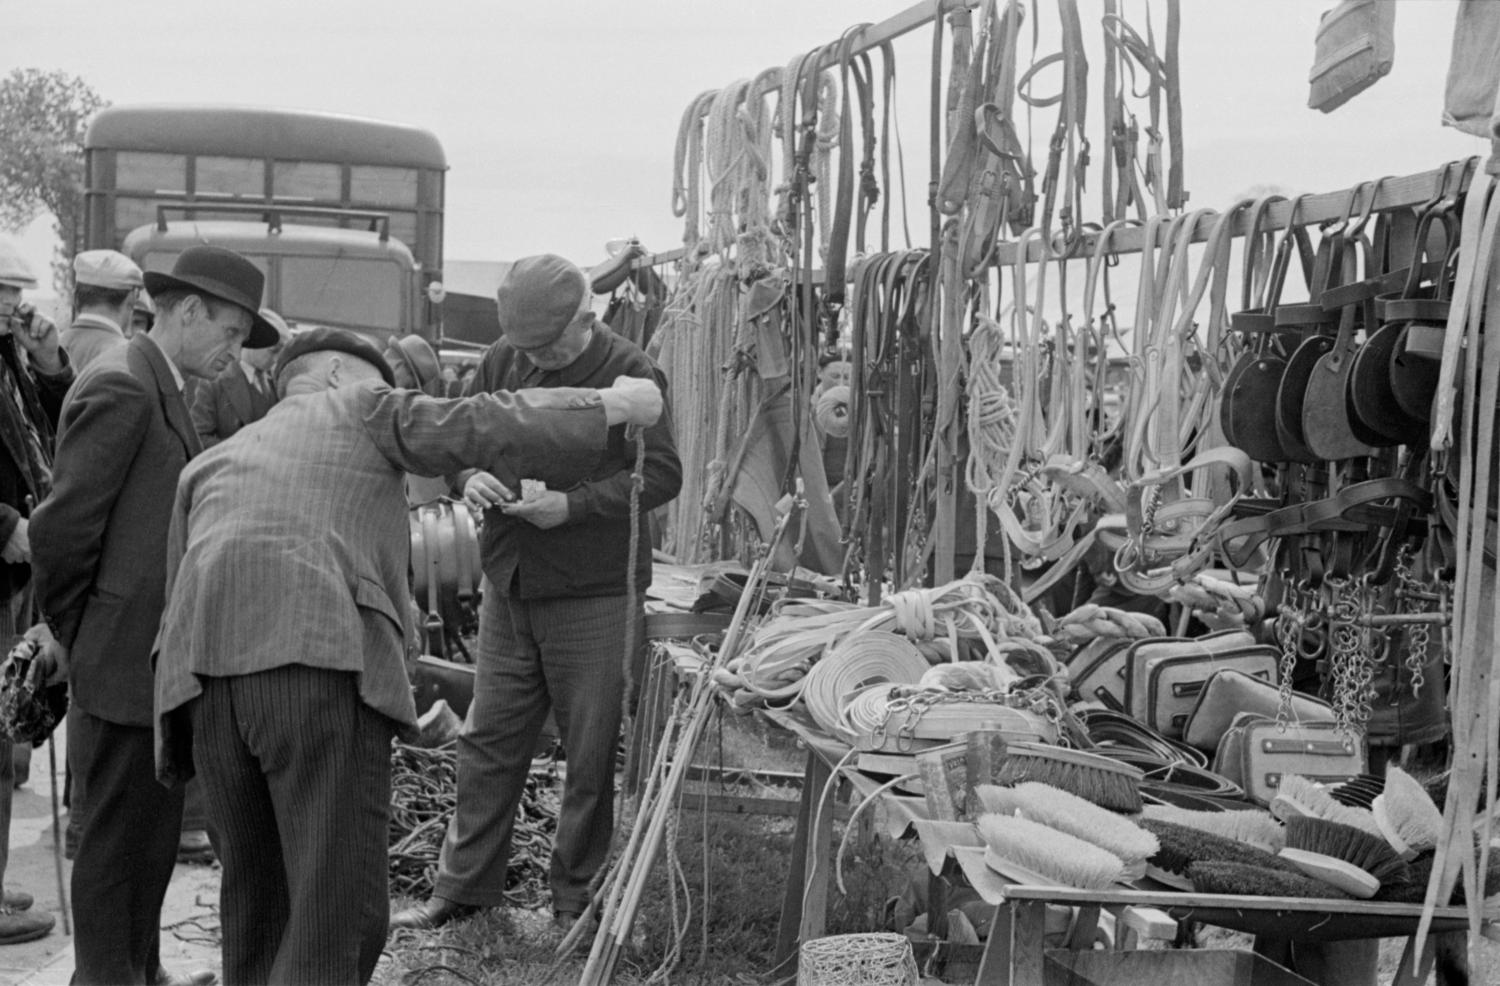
556,434
661,470
100,434
51,388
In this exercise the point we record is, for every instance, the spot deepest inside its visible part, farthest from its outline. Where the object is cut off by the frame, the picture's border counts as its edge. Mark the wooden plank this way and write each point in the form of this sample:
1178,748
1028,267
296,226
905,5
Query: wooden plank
819,849
791,901
748,804
1393,193
1028,958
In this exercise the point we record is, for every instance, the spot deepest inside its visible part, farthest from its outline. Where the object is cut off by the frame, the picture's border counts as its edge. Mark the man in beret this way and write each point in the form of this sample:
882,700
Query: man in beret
553,617
281,656
242,393
100,562
106,284
34,376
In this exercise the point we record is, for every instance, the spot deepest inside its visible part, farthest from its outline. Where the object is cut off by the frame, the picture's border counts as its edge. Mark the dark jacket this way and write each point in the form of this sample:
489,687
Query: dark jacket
99,542
41,397
227,403
587,554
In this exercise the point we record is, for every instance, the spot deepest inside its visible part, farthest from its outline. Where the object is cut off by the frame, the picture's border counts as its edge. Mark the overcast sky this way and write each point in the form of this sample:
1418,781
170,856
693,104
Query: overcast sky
559,119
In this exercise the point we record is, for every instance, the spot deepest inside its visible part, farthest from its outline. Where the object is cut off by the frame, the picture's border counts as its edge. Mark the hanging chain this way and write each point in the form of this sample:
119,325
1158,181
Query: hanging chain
1418,635
1289,621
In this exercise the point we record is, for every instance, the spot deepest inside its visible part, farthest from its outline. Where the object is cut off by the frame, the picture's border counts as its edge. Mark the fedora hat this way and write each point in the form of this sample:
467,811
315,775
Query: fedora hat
225,275
418,357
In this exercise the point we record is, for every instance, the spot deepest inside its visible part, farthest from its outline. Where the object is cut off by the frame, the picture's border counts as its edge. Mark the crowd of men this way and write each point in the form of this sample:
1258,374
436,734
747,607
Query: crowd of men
206,511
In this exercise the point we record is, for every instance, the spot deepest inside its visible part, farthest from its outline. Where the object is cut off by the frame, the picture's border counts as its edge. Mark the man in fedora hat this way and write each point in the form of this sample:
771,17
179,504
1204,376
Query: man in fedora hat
99,554
281,657
555,609
34,376
242,393
106,284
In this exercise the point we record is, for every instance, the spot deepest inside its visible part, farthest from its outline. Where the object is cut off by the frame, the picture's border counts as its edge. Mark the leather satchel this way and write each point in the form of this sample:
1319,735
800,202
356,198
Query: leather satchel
1230,692
1164,676
1256,754
1355,48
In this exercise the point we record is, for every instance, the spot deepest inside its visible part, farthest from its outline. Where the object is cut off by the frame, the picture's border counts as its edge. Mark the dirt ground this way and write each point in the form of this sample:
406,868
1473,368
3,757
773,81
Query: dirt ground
190,939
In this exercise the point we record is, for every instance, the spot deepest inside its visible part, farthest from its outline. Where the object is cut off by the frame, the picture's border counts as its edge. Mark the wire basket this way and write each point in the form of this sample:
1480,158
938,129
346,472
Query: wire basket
857,960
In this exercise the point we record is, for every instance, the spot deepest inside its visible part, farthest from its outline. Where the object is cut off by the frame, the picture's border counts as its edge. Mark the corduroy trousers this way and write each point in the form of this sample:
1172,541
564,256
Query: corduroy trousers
297,778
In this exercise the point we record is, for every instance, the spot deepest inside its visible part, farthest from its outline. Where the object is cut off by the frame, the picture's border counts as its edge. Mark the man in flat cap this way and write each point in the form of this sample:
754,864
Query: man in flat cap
281,656
34,377
106,284
554,614
99,553
242,393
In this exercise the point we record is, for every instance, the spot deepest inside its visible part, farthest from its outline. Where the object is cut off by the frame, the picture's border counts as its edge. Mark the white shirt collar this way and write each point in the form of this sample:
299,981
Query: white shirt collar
176,373
99,321
248,370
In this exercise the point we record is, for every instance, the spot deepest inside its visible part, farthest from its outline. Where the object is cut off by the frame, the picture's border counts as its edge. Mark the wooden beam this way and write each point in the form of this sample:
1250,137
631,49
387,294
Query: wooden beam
872,36
1393,192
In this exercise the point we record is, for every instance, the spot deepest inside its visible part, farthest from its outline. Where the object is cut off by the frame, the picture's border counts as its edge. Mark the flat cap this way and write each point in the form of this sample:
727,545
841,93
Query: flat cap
537,299
107,269
320,339
14,270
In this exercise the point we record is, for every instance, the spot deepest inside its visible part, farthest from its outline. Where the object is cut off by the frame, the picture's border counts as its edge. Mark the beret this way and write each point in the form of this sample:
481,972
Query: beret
537,299
321,338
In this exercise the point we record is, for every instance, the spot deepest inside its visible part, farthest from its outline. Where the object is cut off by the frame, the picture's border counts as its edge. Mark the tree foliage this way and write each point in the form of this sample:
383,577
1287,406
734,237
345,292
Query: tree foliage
43,115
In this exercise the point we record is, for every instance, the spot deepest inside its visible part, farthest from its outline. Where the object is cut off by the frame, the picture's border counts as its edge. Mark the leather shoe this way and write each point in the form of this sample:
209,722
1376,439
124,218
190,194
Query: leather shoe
193,847
198,977
16,900
564,920
19,926
435,913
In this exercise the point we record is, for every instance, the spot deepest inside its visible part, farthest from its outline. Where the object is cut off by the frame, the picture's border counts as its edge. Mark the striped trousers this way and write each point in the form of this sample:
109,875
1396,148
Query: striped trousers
297,778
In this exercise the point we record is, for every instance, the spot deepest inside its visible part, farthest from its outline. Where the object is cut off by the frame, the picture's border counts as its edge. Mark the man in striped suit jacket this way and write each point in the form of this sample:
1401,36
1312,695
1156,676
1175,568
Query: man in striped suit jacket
281,649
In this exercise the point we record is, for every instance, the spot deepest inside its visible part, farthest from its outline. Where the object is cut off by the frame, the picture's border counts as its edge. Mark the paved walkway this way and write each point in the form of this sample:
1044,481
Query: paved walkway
190,936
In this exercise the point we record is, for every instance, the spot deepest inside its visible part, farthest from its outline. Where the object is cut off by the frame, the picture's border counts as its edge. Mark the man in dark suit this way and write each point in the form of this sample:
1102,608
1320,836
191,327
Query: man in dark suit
99,553
34,376
281,649
242,393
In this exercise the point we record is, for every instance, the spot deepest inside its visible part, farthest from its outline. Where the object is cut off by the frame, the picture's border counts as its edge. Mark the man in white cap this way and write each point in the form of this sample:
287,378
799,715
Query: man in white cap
106,284
243,393
556,610
34,377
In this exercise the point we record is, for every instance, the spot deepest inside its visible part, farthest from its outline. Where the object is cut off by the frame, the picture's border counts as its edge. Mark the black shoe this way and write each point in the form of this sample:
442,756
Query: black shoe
198,977
21,926
193,847
435,913
564,920
16,900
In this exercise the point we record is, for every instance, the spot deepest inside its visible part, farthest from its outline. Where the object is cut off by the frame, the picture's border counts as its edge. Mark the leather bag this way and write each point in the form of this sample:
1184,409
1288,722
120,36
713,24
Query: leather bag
1355,48
1230,692
1256,754
1164,676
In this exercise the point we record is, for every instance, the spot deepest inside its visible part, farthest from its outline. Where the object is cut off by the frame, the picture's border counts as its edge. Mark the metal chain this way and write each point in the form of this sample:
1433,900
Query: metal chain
1418,635
1289,620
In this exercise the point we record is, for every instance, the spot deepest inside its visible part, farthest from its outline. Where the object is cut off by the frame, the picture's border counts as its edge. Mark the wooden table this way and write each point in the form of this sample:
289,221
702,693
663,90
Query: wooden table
1015,954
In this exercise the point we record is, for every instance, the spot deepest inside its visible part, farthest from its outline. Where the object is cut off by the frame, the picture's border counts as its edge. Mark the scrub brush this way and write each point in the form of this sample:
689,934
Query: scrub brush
1297,796
1244,880
1071,814
1405,814
1354,861
1413,890
1255,827
1182,846
1034,853
1107,783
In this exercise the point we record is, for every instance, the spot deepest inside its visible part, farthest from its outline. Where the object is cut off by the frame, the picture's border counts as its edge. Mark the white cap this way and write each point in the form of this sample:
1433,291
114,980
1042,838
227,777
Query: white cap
14,270
107,269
